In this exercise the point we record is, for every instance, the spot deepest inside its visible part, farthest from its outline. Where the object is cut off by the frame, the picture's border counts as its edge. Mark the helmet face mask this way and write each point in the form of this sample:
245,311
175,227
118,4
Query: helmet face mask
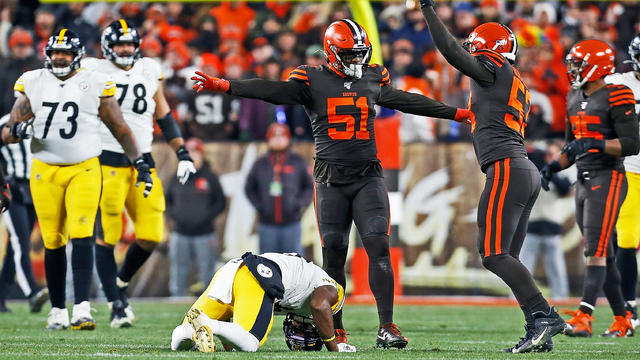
119,32
634,54
65,41
301,334
347,48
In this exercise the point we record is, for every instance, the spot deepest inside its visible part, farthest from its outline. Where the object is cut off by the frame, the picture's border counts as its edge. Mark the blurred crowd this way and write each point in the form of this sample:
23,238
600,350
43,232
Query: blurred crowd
235,39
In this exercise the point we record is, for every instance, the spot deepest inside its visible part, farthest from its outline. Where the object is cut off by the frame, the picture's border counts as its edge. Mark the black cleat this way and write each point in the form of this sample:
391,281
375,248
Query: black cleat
119,318
3,307
123,295
525,345
547,325
389,336
38,299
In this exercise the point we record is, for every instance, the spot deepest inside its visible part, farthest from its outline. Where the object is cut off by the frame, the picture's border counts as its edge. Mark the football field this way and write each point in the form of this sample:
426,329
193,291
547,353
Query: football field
434,332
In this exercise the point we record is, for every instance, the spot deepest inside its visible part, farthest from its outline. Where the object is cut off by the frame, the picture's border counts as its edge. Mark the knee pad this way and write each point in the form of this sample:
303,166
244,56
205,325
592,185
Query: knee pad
491,262
376,225
335,240
334,258
377,246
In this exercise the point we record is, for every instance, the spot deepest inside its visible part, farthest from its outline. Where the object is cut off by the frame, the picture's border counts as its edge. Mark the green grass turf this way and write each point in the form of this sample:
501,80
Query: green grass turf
434,333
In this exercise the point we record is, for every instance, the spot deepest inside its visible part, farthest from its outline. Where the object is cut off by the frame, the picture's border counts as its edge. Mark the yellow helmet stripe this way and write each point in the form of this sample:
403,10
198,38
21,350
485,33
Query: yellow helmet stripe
125,28
61,35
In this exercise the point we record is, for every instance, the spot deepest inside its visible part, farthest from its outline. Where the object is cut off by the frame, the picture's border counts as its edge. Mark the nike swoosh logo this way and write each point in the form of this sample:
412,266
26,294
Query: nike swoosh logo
628,112
595,187
536,340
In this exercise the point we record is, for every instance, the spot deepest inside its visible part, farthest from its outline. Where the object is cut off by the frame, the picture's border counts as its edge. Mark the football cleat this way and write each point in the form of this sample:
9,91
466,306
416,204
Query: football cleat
119,318
202,336
125,301
621,327
81,318
3,307
38,299
547,325
634,314
525,345
579,325
389,336
58,319
341,336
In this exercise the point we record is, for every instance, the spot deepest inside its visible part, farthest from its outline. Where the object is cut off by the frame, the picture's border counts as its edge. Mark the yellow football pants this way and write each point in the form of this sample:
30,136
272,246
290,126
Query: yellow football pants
250,308
119,191
66,199
628,225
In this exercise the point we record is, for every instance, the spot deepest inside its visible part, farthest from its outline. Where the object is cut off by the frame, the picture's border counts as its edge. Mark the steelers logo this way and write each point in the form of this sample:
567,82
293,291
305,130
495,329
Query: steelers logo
264,271
84,86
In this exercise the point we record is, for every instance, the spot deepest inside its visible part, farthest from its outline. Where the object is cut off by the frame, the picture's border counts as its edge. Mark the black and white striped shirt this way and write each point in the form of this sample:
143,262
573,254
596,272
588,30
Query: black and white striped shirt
16,158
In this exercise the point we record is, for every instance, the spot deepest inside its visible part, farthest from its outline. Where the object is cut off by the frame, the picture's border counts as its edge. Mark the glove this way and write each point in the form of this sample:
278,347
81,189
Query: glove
344,347
425,3
19,130
144,175
204,81
581,146
463,116
185,165
547,173
5,198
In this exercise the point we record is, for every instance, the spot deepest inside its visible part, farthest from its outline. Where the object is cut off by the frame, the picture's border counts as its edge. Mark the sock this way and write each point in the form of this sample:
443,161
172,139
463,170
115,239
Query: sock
612,289
531,322
594,277
55,268
107,269
628,267
333,263
136,256
235,334
380,275
82,268
519,280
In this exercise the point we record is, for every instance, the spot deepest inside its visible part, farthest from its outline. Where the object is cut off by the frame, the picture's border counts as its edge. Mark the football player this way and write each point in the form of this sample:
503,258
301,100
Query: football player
249,290
602,129
340,98
628,225
139,90
68,104
499,105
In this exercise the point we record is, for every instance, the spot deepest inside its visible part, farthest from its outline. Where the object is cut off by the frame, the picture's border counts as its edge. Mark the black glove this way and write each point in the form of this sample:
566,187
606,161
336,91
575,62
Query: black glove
425,3
547,173
144,175
5,198
581,146
19,130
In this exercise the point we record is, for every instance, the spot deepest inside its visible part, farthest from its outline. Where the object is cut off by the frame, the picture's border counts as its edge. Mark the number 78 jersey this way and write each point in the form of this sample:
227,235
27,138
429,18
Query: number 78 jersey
135,89
66,123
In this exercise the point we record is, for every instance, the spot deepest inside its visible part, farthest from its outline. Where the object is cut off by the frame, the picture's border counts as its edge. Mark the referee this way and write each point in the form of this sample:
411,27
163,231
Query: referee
16,160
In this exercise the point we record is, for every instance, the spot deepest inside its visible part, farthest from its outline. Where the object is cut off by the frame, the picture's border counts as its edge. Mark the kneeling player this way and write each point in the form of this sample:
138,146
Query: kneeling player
249,290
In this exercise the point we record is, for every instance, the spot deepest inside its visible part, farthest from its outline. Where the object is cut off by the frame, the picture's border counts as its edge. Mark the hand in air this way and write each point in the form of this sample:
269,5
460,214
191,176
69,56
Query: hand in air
211,83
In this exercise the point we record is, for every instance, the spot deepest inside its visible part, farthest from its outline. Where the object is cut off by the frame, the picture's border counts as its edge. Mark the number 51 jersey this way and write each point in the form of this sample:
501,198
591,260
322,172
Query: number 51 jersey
135,89
66,124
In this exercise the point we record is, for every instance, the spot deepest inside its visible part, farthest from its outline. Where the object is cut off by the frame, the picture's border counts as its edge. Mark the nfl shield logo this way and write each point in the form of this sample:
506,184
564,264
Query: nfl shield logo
583,105
347,84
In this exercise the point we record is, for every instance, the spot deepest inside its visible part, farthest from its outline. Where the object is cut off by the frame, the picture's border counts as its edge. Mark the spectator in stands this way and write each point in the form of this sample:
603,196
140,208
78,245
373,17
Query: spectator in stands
280,187
490,12
544,235
70,16
287,48
44,27
21,59
256,115
207,39
193,208
234,19
402,57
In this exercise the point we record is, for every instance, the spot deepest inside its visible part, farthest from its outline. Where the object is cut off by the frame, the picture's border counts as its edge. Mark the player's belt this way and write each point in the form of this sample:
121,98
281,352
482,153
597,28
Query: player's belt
585,175
112,158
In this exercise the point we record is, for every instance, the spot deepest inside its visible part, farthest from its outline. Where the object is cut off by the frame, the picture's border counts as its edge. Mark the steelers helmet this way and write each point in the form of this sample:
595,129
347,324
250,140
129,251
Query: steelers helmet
63,40
119,31
300,333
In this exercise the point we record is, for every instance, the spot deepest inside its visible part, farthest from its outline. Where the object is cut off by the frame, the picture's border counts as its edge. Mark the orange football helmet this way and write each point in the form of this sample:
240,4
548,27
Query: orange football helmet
347,48
589,60
493,36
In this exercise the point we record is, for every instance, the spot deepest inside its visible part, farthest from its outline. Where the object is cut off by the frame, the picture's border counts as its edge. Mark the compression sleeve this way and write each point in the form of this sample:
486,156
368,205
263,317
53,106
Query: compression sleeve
275,92
411,103
455,54
170,129
625,122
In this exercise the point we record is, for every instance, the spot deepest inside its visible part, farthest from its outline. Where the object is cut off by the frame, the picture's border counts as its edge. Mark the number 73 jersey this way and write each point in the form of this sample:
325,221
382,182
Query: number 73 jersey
66,123
135,89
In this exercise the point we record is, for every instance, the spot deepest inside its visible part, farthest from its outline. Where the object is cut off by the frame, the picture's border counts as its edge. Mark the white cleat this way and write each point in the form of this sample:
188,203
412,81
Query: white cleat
58,319
81,318
202,336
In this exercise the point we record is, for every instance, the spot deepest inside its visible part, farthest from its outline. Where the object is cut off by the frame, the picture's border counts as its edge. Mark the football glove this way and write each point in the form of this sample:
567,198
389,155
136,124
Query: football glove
185,165
5,198
581,146
144,175
204,81
425,3
19,130
547,173
463,116
344,347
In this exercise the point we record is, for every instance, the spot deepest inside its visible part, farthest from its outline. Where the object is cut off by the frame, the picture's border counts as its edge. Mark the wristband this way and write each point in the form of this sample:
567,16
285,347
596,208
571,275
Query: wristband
329,339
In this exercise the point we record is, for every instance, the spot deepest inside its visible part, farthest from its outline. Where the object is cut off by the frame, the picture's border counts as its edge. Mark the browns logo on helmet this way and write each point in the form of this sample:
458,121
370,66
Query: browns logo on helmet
589,60
493,36
347,48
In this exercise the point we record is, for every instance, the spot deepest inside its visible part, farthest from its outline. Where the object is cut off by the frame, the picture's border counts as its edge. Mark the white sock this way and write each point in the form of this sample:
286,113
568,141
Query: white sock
234,334
632,303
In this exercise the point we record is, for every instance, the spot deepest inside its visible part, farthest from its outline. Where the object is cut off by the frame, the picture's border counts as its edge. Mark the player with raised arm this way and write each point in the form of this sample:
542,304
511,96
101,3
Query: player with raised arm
68,104
602,130
339,98
499,106
239,304
139,90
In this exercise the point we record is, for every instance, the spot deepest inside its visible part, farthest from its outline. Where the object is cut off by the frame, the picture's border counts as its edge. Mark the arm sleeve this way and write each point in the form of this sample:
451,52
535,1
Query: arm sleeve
275,92
625,122
457,56
169,127
218,200
568,133
411,103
